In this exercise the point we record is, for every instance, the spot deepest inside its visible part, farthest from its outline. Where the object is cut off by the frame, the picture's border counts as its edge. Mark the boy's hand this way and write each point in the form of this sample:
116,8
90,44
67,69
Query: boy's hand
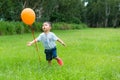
64,44
29,43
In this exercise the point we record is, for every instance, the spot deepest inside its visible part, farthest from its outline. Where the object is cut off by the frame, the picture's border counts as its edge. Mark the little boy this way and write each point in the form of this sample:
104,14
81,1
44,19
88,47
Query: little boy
48,40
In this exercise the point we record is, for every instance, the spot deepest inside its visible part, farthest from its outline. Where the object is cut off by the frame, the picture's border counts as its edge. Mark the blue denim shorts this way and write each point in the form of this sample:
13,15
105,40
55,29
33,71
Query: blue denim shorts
51,53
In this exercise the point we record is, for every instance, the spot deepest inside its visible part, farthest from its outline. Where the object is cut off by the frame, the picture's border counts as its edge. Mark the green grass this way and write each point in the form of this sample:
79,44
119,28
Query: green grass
91,54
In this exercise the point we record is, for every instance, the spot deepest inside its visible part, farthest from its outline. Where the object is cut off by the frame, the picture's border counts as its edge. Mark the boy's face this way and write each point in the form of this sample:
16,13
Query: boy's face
46,27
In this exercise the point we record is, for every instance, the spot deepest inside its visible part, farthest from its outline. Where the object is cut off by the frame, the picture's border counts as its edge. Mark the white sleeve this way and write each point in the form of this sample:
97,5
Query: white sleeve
39,38
55,37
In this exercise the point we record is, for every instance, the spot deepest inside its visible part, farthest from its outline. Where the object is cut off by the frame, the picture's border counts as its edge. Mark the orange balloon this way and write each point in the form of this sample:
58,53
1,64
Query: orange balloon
28,16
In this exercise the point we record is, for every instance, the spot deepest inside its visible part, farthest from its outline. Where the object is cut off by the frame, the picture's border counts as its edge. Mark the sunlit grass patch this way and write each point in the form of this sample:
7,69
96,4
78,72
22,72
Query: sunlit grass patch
90,54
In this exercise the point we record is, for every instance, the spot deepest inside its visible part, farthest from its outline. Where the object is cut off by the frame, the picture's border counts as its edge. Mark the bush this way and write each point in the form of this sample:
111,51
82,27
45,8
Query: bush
67,26
19,27
10,28
2,28
79,26
7,28
37,26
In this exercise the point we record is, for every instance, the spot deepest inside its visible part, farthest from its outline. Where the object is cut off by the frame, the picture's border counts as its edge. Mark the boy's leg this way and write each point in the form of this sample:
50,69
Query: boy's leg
48,56
59,60
54,54
49,62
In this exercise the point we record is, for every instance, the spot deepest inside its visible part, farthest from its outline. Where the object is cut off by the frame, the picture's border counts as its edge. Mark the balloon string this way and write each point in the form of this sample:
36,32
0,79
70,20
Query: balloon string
35,42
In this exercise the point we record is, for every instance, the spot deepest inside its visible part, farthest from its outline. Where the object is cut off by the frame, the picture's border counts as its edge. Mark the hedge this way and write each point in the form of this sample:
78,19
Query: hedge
10,28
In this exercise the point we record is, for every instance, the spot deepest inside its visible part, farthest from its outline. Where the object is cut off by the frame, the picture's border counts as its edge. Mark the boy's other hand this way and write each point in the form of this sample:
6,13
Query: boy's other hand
64,44
29,43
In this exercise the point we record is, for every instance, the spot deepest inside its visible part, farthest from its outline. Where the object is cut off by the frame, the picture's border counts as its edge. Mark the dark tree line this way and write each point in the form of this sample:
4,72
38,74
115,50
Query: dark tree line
95,13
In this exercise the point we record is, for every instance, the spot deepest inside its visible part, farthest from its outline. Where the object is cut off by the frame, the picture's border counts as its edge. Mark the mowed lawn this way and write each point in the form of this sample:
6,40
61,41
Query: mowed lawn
90,54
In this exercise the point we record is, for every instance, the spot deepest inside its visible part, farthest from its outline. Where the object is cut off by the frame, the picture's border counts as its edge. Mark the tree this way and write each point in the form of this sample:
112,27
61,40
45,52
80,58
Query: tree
10,9
97,13
103,13
68,11
115,14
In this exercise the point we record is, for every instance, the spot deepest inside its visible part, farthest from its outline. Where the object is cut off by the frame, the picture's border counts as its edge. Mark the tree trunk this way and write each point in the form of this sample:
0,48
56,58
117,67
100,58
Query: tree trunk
24,5
115,22
106,22
107,13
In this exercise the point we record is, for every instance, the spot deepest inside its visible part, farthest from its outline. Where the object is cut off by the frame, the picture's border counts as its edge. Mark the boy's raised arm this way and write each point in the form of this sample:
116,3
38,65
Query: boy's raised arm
59,40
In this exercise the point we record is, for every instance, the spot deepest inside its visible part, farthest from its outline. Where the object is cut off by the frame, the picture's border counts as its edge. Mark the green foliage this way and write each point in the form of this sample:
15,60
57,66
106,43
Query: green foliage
37,26
67,11
20,28
90,54
103,13
98,13
3,28
10,10
9,28
66,26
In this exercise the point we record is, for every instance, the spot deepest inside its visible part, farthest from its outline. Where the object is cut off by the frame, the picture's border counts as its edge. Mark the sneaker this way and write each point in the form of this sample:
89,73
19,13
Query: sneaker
60,62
